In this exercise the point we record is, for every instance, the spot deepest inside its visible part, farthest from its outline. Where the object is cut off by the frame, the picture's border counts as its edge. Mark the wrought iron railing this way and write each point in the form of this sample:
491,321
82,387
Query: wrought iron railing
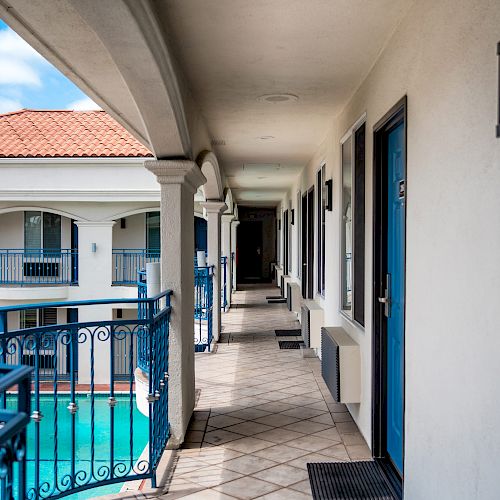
233,269
143,346
203,307
128,261
223,284
64,456
38,267
13,430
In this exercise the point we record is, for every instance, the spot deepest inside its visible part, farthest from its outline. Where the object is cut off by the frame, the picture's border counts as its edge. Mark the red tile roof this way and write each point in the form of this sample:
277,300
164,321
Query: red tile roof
65,134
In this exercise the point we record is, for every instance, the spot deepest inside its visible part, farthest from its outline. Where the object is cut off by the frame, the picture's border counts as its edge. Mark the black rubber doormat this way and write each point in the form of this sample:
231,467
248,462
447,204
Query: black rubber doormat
296,332
273,297
349,481
276,301
290,344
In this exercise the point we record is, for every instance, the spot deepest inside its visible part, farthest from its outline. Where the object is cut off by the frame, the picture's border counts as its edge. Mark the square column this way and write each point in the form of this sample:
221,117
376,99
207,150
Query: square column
214,210
95,267
179,180
226,251
234,246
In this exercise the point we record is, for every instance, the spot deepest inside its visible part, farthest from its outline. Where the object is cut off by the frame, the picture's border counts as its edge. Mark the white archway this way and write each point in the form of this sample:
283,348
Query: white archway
213,188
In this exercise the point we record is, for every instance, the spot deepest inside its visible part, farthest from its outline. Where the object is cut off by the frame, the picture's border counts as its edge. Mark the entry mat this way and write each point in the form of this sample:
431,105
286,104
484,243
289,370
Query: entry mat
290,344
274,297
296,332
349,481
276,301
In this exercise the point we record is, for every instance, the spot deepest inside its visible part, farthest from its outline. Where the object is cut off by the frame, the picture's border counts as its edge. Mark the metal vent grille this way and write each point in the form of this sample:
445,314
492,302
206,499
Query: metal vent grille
218,142
330,364
305,321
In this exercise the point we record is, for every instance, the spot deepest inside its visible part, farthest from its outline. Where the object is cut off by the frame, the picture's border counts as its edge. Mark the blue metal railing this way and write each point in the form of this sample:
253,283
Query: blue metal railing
38,267
203,307
233,270
94,344
128,261
13,430
142,313
223,284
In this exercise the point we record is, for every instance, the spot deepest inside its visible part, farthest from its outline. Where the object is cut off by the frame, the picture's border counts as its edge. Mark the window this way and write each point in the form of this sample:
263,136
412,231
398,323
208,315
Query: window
42,230
153,232
320,200
31,318
353,224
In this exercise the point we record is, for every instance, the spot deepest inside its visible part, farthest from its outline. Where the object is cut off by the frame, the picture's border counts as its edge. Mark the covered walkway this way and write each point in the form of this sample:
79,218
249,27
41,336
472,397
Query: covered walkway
262,413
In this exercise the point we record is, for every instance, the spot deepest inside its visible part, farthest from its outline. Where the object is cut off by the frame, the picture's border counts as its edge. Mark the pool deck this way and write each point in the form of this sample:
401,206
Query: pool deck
262,415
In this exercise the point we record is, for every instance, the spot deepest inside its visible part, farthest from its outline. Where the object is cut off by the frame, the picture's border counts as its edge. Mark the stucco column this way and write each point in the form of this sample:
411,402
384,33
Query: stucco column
226,251
234,235
95,244
214,210
179,180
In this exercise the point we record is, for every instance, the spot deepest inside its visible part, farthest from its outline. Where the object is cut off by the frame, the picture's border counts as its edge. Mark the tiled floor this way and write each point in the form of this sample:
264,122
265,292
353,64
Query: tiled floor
262,415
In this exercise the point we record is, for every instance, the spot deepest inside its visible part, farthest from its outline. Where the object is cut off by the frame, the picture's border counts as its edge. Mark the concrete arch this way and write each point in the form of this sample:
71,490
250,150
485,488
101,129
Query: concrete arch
135,211
41,209
213,188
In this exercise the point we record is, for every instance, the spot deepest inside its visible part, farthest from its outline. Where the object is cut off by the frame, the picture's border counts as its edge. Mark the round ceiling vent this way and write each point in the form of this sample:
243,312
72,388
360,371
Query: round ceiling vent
277,98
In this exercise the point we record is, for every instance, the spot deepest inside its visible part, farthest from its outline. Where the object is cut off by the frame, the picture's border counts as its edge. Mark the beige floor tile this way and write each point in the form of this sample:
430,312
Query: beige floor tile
208,495
342,417
306,427
249,413
248,464
248,445
279,435
281,453
311,458
285,494
337,451
276,420
247,488
326,418
220,436
283,474
302,486
332,433
249,428
359,452
303,412
347,427
211,476
352,439
220,421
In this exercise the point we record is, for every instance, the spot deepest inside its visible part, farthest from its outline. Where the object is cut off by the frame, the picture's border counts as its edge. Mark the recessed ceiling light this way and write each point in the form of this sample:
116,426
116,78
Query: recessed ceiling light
277,98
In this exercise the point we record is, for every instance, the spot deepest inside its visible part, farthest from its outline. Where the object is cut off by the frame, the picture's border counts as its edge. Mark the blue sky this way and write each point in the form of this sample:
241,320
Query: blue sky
27,80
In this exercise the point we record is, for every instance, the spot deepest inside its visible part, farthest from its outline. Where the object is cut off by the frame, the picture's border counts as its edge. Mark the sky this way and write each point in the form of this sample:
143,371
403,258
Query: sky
27,80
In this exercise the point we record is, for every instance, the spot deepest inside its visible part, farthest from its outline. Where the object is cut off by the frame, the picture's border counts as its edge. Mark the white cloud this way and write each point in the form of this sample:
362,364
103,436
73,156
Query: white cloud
17,72
7,105
20,64
85,104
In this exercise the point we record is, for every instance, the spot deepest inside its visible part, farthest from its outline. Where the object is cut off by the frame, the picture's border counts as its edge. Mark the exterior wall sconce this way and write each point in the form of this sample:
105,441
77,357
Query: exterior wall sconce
94,247
279,224
292,217
329,195
498,119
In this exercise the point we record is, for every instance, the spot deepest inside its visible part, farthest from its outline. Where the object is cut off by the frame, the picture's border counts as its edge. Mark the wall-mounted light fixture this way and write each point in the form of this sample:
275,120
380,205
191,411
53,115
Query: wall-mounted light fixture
329,195
94,247
123,223
498,119
292,221
279,224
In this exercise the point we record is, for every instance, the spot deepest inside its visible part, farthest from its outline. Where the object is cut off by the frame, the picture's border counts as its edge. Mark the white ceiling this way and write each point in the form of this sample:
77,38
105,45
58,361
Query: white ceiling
233,51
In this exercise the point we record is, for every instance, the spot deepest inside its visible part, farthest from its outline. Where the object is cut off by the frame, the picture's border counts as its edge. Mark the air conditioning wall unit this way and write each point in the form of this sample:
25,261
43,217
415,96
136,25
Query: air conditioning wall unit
311,320
293,297
341,365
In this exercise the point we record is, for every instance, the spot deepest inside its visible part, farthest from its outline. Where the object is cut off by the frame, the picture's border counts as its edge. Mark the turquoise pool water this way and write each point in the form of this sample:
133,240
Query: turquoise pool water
102,440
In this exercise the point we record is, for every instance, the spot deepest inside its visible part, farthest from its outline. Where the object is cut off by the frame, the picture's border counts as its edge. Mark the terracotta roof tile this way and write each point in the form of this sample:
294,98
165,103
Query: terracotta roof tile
71,134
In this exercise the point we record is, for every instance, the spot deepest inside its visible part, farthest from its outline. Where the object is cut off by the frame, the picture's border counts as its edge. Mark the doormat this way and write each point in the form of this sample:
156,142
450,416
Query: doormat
296,332
273,297
290,344
276,301
349,481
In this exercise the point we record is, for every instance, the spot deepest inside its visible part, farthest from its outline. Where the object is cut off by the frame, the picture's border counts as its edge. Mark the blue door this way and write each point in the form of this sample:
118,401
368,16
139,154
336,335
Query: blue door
395,310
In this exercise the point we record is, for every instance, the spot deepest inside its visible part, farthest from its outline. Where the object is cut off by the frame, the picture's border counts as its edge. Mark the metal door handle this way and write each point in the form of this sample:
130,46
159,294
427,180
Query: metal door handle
386,299
383,300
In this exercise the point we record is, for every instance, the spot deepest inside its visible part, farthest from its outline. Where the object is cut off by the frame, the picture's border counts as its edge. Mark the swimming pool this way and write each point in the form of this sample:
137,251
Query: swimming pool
129,441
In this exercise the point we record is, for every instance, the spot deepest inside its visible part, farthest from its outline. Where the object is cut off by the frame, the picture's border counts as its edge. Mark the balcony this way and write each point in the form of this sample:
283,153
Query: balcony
22,267
83,433
127,262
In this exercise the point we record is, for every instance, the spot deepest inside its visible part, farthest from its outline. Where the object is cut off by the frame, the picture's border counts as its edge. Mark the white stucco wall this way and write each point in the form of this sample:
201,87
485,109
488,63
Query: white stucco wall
134,234
443,57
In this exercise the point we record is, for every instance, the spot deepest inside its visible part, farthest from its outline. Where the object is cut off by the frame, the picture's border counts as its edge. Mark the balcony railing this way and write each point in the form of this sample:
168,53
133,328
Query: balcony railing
38,267
128,261
203,307
223,286
13,430
78,441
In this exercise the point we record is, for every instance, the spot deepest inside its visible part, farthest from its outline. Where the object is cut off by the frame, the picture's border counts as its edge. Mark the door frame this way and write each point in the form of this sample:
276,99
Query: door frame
394,116
303,242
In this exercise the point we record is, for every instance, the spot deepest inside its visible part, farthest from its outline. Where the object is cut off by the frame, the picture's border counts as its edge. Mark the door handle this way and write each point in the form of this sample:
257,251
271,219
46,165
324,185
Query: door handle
386,299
